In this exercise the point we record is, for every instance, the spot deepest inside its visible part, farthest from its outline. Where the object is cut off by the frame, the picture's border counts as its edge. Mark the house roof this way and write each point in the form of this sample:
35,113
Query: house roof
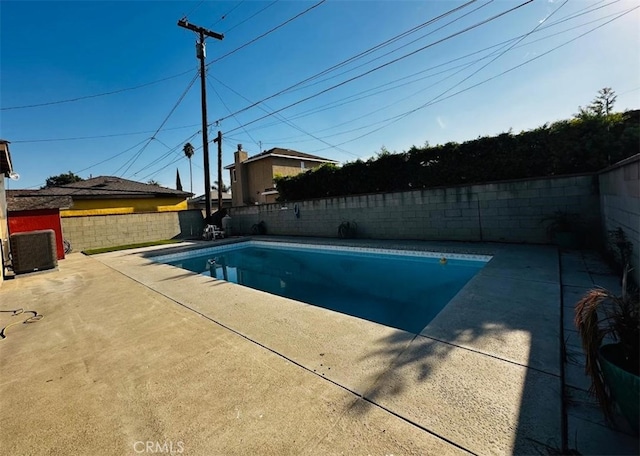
214,197
5,158
30,200
111,187
284,153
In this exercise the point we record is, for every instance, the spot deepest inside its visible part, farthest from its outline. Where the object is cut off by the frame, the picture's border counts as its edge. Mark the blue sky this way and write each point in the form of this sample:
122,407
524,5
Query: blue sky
401,94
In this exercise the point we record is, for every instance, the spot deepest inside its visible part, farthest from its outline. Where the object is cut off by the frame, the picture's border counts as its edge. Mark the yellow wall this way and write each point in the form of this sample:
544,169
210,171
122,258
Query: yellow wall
260,177
257,176
123,206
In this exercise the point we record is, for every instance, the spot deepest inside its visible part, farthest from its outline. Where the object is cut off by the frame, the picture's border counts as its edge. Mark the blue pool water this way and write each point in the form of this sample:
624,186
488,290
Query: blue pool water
400,291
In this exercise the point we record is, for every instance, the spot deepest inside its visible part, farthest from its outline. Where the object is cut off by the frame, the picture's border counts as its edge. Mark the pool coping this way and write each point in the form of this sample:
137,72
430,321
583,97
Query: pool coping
468,330
171,257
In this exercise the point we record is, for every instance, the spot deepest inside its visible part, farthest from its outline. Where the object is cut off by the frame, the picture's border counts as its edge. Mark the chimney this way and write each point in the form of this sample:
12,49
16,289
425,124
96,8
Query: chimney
239,156
238,181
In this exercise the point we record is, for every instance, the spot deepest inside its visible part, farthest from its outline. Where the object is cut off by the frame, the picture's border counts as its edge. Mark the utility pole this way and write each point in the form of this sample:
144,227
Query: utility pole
219,141
201,54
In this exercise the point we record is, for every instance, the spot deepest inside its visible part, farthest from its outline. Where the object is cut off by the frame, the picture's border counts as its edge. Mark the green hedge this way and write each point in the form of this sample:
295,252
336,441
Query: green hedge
570,146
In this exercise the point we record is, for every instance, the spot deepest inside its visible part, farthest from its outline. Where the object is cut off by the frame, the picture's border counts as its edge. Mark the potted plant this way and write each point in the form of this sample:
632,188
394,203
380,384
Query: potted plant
561,229
613,368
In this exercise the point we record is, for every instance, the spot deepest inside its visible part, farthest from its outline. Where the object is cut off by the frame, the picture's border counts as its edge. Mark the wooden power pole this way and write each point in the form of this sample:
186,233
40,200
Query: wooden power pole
219,141
201,54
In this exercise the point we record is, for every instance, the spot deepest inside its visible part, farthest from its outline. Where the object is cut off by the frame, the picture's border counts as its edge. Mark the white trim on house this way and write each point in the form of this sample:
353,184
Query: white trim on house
295,157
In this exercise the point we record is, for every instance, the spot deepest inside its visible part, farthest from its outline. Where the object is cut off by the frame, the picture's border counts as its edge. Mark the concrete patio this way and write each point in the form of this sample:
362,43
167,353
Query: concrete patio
131,353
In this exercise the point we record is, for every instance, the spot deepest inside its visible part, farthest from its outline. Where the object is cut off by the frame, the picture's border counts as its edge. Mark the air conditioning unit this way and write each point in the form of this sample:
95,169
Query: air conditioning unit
33,251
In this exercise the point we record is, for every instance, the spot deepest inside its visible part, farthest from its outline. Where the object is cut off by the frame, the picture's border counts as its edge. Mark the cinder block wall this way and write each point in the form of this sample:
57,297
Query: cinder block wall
510,211
620,203
98,231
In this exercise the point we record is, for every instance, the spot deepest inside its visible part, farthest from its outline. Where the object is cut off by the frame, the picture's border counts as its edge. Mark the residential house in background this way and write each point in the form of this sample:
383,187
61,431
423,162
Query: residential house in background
199,201
27,211
5,171
252,178
108,195
110,211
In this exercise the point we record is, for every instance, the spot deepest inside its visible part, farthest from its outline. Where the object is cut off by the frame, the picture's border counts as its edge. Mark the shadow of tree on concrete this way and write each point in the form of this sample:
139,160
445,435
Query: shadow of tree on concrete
485,373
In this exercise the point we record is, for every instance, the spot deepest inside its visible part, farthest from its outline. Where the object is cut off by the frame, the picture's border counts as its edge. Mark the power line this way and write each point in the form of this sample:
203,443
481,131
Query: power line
114,135
103,94
157,81
355,57
121,153
485,21
346,100
252,16
227,108
175,106
113,92
267,32
398,117
171,150
390,41
285,120
193,9
571,16
521,64
164,156
578,13
111,157
508,48
154,173
224,16
158,160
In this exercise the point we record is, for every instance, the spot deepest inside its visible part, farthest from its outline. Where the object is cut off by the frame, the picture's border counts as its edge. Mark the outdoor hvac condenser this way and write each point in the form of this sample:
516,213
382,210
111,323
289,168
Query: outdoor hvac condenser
33,251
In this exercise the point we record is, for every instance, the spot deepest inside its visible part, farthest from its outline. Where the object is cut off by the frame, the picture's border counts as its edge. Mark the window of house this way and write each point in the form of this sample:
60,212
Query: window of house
234,176
301,165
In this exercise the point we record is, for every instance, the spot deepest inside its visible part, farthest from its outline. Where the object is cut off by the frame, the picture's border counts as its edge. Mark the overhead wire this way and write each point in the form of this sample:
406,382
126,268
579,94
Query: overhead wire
111,157
157,81
312,7
193,9
164,156
114,135
466,29
227,108
354,97
574,15
102,94
507,48
224,16
252,16
175,106
286,121
396,118
390,41
355,57
146,84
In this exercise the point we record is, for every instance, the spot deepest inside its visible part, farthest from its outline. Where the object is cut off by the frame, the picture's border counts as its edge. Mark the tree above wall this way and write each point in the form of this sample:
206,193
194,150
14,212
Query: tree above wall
602,104
583,144
62,179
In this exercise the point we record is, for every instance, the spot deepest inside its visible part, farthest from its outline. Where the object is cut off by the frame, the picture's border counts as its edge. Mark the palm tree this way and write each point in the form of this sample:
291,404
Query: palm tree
188,152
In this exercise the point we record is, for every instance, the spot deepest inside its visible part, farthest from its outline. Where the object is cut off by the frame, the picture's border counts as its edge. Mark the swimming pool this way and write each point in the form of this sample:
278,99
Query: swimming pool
401,289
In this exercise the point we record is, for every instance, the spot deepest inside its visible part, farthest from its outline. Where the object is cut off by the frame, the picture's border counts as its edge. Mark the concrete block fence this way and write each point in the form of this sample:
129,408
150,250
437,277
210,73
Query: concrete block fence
620,203
509,211
98,231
